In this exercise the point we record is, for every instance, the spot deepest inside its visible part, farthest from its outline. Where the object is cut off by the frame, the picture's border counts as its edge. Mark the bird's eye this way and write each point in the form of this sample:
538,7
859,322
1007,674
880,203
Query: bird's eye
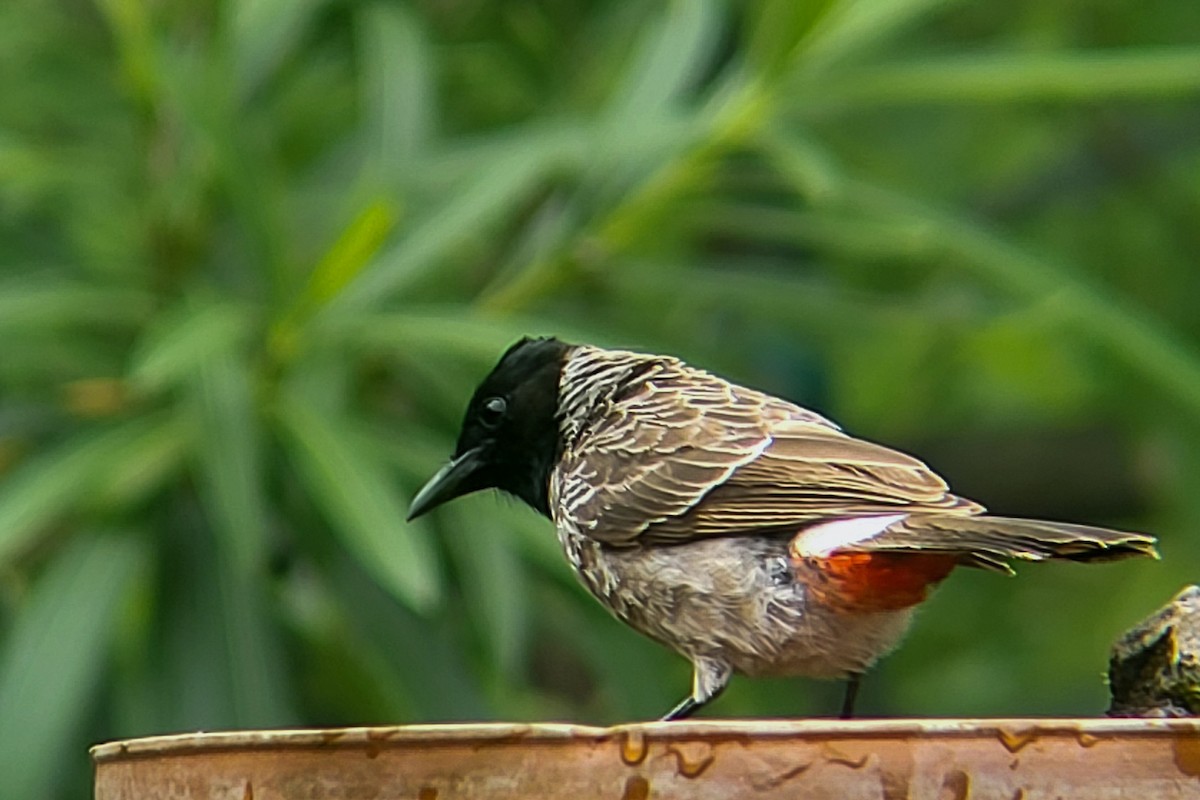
492,411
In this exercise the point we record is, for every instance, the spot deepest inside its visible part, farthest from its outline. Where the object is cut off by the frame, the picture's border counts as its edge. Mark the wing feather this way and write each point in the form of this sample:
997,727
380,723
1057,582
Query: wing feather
685,455
676,454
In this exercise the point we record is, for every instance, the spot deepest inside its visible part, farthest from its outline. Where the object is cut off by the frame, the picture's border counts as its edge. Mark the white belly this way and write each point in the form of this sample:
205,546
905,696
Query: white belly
734,600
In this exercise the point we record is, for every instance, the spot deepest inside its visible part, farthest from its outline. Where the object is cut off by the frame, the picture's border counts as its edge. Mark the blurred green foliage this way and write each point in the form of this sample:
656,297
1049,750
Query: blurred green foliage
254,256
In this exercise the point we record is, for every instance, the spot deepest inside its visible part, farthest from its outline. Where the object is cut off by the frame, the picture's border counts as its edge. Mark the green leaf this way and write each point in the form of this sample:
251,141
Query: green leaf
132,32
147,462
855,26
256,658
351,252
348,482
635,678
559,143
415,450
44,304
230,460
433,679
398,87
182,340
348,256
777,28
811,307
480,339
54,656
468,213
1022,77
1146,345
205,649
27,174
351,675
264,33
493,579
670,59
53,483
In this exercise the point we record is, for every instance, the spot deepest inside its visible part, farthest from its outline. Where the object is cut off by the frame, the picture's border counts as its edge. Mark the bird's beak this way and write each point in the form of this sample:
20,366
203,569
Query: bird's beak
451,481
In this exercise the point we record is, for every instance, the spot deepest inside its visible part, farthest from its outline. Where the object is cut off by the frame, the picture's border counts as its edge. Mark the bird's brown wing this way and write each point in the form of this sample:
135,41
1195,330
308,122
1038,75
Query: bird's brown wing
656,452
838,477
990,542
807,474
691,456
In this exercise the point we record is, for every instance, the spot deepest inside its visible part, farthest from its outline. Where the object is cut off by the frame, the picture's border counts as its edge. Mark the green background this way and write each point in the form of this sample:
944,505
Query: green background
254,257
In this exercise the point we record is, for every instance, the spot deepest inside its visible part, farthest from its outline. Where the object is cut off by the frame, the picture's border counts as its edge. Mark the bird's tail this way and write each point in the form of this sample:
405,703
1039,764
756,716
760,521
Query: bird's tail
991,542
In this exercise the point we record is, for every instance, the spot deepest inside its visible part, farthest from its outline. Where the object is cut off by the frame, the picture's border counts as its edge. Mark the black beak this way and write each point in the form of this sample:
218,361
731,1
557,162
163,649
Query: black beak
451,481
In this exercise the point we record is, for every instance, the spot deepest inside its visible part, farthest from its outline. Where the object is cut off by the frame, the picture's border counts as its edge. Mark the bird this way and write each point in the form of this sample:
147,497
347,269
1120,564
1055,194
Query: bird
745,532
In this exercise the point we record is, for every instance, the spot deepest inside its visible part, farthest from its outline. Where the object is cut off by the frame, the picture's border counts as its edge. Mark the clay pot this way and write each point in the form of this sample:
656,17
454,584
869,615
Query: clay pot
1024,759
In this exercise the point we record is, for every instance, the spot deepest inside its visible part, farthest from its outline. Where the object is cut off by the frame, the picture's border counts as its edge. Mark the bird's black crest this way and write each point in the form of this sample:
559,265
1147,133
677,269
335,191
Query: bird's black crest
522,445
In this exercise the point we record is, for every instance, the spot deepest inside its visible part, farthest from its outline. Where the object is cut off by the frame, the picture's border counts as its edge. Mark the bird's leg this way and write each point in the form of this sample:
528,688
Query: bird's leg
851,693
683,710
709,679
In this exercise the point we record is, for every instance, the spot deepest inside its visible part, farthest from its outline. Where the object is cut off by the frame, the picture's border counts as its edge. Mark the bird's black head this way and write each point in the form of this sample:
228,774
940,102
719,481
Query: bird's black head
509,438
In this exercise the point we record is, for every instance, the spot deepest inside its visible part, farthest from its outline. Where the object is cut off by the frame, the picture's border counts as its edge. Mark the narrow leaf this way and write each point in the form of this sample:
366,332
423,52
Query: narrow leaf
1129,333
230,460
145,463
132,33
54,656
398,86
360,502
350,253
54,483
493,579
256,660
672,56
448,331
433,679
264,32
30,305
856,26
468,213
1022,77
182,340
777,27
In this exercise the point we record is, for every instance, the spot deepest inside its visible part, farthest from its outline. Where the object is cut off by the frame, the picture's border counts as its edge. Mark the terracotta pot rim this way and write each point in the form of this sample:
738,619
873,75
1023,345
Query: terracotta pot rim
1007,729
